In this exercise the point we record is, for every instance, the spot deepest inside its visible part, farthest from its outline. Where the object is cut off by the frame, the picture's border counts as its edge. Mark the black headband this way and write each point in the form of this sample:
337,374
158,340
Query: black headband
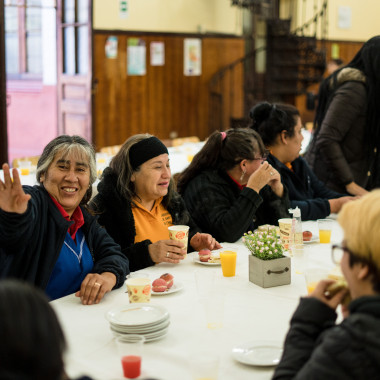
144,150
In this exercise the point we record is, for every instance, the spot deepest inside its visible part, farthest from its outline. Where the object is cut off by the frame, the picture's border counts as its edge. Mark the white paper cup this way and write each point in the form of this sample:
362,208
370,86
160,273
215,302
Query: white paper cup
179,233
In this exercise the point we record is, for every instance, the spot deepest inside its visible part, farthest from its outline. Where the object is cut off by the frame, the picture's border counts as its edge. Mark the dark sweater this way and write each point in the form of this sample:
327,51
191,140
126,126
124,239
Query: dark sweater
115,214
221,209
30,243
316,348
305,190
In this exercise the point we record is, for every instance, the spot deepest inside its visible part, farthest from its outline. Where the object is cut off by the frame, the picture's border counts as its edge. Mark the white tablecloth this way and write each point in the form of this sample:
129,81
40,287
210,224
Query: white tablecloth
251,313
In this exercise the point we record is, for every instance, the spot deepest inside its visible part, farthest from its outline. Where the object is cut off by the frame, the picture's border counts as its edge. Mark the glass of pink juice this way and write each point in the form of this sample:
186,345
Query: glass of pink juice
130,350
131,366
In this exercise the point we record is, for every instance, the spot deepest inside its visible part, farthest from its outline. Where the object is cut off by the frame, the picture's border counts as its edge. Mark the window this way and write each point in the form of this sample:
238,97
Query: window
23,40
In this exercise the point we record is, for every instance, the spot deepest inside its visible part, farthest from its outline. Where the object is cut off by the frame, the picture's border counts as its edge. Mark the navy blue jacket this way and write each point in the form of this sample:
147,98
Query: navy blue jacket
305,190
30,243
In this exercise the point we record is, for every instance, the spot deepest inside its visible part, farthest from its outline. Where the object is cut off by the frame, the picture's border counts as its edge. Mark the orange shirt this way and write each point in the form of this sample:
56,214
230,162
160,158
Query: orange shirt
152,225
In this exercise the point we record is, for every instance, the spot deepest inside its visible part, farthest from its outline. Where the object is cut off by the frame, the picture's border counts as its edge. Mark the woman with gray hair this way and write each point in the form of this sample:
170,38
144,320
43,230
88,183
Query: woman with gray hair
137,203
48,237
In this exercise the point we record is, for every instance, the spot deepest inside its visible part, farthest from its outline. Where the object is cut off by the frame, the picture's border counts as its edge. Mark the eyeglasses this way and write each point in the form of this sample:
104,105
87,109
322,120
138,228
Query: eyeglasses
263,158
337,252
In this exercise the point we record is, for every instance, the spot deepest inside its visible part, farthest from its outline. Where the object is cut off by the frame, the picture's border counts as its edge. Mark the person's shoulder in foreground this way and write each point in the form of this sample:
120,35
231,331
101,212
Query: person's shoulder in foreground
32,341
315,346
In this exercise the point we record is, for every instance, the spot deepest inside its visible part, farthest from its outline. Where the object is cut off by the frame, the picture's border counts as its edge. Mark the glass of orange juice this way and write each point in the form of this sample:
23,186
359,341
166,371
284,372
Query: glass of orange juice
228,261
313,276
324,227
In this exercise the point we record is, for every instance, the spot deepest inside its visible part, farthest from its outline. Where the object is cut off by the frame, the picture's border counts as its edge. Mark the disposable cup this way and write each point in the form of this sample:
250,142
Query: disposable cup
139,289
130,349
228,261
313,276
25,167
204,365
285,225
179,233
325,227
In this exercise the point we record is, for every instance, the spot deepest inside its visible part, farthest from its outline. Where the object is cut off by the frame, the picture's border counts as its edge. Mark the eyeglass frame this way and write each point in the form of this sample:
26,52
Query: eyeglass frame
339,246
263,158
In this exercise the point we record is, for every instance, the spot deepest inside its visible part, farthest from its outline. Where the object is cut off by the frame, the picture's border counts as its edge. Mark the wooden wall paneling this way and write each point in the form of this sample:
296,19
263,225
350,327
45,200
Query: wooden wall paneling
164,100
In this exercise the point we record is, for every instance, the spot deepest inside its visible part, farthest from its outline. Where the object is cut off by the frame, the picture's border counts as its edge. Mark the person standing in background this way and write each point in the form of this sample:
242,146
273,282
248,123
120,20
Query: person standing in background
344,150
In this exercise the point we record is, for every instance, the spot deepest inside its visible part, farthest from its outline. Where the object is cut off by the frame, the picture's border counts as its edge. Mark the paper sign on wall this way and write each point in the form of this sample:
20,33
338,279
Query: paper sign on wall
192,56
344,17
136,56
123,8
111,47
157,53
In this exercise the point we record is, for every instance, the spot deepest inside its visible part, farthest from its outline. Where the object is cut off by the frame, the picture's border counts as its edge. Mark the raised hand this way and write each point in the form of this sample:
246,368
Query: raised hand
266,175
12,196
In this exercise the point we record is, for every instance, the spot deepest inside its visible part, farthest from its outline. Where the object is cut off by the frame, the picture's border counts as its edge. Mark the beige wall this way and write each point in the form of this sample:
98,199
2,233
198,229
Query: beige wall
364,17
181,16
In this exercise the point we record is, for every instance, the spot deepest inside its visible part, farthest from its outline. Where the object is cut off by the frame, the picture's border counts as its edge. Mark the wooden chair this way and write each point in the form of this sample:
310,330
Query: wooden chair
112,150
182,140
32,159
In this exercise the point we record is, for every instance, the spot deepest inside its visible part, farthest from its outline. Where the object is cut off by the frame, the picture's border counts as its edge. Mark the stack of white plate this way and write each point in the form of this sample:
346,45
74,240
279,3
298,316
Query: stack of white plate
151,321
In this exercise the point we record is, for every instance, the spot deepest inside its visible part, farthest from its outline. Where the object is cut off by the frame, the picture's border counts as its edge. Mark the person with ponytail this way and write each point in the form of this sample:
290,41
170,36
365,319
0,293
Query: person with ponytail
344,151
280,127
229,188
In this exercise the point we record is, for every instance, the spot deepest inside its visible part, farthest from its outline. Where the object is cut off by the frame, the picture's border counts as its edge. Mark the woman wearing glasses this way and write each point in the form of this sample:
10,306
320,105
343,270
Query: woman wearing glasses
279,125
316,347
229,187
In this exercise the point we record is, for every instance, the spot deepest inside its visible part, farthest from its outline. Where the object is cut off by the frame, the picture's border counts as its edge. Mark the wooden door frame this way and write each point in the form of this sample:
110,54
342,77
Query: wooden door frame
3,92
80,80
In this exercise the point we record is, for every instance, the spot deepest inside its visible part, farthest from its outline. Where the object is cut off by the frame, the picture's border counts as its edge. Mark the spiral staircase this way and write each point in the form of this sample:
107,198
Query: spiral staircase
293,63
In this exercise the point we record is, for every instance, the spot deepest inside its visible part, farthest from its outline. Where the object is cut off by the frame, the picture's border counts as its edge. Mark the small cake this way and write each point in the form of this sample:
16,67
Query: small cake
159,285
204,255
168,278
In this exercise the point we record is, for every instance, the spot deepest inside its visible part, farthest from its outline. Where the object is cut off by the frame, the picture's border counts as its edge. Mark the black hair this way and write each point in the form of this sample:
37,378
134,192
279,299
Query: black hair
223,150
32,341
269,120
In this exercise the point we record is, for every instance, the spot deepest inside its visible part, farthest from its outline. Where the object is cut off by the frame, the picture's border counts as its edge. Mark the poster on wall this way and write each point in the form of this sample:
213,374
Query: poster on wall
123,9
157,54
192,56
136,56
111,47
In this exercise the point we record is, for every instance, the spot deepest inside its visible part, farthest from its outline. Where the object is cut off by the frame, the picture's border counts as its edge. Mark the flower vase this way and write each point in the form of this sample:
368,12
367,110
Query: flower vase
268,273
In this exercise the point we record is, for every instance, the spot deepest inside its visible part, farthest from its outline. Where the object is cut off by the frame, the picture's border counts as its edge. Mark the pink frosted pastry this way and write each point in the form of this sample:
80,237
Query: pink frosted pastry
159,285
168,278
204,255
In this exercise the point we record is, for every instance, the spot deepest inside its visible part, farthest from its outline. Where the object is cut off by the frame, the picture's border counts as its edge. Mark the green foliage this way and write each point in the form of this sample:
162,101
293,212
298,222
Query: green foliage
264,245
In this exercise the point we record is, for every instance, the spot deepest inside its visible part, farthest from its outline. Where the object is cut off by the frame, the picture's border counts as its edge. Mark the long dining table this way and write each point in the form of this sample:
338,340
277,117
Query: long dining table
250,314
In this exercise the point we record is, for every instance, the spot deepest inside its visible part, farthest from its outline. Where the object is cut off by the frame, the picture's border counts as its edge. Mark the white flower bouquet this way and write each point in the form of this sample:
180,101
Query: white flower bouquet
264,245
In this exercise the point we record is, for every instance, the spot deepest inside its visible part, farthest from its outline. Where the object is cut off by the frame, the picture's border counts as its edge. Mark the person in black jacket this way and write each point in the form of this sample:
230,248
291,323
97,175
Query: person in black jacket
136,203
47,237
230,189
316,347
279,125
32,341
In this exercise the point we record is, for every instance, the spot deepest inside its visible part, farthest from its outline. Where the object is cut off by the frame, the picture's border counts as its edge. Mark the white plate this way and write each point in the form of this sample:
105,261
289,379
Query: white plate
137,314
258,353
141,329
177,286
205,262
314,239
